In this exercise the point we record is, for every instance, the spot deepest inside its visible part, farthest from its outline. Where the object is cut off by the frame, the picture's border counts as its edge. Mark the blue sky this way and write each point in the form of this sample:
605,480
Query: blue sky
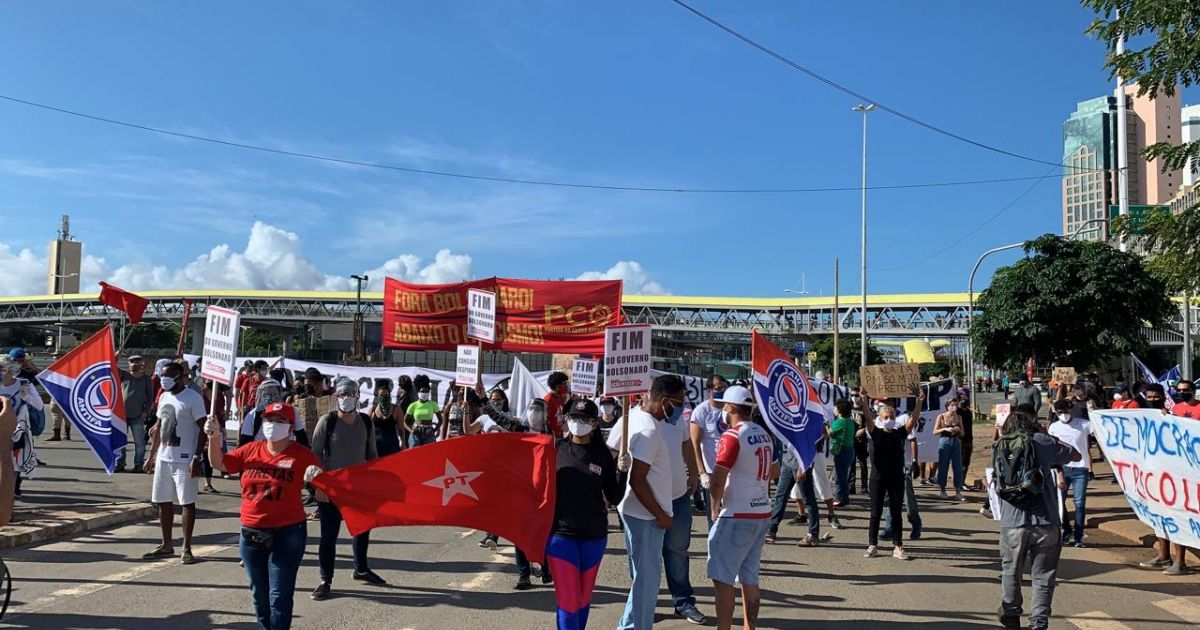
627,92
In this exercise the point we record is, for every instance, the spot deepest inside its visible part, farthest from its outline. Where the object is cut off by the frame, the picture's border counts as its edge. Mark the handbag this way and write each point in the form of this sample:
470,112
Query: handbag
261,539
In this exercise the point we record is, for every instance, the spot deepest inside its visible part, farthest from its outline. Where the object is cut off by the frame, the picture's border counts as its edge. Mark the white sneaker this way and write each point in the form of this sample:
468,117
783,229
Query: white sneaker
826,537
985,512
899,554
872,552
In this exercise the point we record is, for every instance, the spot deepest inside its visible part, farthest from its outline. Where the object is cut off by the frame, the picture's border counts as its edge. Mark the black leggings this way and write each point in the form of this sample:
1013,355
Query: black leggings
893,486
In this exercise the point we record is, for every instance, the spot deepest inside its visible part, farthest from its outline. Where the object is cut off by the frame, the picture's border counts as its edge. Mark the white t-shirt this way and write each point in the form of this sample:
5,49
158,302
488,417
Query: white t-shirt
675,436
1075,435
188,408
647,443
487,425
252,416
746,450
712,424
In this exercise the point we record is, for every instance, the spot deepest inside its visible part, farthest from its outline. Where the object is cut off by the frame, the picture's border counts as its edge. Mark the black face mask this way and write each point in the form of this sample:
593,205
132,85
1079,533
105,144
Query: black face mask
1156,404
1185,396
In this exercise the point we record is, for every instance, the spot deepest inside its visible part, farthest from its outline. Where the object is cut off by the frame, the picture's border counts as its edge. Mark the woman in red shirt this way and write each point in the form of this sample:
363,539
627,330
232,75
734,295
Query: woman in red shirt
1122,399
274,529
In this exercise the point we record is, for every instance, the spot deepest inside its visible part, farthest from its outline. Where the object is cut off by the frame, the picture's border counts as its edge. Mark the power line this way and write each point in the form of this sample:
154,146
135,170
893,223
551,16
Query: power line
858,95
506,180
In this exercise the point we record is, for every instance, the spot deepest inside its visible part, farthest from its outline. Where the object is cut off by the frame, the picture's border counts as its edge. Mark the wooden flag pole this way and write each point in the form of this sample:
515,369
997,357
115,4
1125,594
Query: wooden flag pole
624,424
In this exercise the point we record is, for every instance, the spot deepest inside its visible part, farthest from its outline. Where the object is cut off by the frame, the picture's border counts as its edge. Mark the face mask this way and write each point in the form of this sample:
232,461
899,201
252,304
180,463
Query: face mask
607,409
423,396
498,404
889,424
347,404
1118,397
167,383
275,431
673,415
725,419
1064,417
579,428
1155,403
1185,396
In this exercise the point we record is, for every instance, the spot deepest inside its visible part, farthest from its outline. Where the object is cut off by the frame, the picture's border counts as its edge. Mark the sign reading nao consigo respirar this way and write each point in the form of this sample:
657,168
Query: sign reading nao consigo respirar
466,371
627,360
584,373
219,356
481,315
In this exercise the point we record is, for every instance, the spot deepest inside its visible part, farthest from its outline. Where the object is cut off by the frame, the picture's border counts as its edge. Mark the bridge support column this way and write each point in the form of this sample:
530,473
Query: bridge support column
196,326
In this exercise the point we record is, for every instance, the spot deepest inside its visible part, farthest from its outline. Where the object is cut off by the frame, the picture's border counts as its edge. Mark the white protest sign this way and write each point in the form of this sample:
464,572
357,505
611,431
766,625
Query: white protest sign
584,373
937,395
627,360
481,315
1156,460
1002,411
466,372
219,356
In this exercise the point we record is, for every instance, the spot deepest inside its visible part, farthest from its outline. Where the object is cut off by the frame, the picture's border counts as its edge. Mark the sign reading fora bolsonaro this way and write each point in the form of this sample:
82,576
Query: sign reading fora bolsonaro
627,360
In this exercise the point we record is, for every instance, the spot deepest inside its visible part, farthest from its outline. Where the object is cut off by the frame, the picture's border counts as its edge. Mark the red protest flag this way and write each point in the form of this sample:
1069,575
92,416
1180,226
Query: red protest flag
501,483
131,304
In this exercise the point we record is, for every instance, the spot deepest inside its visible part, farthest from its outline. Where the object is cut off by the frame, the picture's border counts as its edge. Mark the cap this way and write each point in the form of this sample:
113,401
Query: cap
17,354
280,410
136,357
738,395
584,408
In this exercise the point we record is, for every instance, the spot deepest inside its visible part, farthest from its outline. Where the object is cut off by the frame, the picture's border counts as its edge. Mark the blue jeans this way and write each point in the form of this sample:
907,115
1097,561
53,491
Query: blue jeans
949,454
783,491
273,575
422,436
1077,483
910,505
675,553
808,491
137,434
644,546
843,467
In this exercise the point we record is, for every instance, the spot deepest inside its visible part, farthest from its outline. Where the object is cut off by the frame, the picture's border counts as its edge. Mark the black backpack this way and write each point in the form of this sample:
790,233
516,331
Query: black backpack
1017,475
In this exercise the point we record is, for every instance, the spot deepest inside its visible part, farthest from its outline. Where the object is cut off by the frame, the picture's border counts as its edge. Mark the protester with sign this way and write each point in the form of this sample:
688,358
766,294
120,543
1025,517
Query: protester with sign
176,443
586,477
342,438
1074,432
387,419
888,441
421,414
746,463
707,423
911,456
949,429
136,390
273,532
1029,520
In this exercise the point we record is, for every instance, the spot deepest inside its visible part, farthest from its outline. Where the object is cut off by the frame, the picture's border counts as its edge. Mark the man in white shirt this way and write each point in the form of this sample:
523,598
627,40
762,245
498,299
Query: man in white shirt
1073,432
646,509
177,441
707,425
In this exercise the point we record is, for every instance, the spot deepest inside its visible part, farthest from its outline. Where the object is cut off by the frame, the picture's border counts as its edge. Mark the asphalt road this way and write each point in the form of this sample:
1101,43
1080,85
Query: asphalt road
439,578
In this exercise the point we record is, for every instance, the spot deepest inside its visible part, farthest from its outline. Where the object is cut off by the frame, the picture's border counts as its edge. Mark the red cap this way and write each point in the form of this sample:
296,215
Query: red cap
280,410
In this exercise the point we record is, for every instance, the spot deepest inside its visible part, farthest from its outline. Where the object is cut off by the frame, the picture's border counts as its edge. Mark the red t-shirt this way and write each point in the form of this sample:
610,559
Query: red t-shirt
248,389
271,484
553,408
1187,410
1126,404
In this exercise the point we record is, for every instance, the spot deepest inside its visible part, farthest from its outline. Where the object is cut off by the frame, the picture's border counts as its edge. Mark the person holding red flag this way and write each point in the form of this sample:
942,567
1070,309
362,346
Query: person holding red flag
586,478
274,529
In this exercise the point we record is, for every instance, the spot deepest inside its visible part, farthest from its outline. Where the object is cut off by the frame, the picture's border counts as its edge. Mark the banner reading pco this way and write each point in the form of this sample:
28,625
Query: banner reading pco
531,315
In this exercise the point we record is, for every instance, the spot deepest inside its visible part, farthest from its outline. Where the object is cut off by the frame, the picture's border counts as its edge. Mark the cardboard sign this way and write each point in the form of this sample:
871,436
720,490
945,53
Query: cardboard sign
627,360
466,371
481,315
1002,413
1064,376
219,356
890,380
584,373
562,363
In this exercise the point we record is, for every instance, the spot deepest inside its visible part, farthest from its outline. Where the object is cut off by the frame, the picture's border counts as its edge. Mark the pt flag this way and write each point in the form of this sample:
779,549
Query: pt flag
501,483
86,386
565,317
787,399
132,304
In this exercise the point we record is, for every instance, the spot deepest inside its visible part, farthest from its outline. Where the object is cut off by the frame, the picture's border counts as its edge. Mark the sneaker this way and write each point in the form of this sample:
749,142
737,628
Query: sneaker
692,615
1155,563
242,563
984,511
1079,544
915,534
943,496
523,583
159,552
320,593
1007,620
872,552
771,538
209,489
797,520
809,541
826,537
1066,540
1176,570
900,554
547,576
960,498
187,557
834,523
369,577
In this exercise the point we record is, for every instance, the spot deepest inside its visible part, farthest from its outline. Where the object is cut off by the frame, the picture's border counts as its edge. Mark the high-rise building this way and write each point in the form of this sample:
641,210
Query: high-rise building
1090,152
1190,132
66,256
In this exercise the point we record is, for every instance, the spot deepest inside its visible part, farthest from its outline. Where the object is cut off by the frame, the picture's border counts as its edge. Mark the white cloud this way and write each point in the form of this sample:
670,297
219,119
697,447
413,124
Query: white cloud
637,279
24,272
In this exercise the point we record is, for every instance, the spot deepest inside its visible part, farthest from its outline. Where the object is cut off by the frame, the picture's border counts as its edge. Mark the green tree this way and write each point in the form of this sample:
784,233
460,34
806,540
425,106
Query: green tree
1068,303
1162,53
156,335
265,340
848,356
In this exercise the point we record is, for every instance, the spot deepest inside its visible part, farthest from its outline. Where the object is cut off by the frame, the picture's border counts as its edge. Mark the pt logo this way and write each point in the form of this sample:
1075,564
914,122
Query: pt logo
453,482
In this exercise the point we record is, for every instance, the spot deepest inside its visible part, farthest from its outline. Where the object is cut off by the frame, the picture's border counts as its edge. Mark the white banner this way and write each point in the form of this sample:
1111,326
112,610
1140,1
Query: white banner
584,376
467,366
1156,459
627,360
481,315
220,345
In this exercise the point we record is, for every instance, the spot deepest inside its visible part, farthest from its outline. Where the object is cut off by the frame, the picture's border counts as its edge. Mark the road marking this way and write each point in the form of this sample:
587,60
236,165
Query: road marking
102,583
467,533
1097,620
483,578
1184,609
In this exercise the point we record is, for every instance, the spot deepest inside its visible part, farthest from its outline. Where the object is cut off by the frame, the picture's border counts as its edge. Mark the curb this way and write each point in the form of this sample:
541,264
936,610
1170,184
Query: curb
45,527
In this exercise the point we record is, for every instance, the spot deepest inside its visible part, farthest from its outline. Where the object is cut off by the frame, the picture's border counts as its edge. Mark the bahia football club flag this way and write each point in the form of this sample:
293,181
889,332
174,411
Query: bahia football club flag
788,401
86,386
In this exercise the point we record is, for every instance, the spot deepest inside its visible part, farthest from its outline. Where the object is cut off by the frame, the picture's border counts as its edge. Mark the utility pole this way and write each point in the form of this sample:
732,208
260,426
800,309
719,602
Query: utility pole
1122,145
837,311
863,345
360,350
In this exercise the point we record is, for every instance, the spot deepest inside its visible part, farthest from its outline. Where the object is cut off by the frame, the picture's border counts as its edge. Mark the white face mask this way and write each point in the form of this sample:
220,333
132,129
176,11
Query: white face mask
1065,417
607,409
275,431
167,383
1118,397
890,424
579,428
423,396
347,404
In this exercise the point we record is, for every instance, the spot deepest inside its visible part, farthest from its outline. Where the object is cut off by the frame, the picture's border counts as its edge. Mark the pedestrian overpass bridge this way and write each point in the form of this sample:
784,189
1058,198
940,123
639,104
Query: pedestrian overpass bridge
905,316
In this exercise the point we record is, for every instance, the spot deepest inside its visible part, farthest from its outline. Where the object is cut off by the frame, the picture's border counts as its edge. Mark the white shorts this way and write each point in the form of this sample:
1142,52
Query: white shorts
820,471
174,484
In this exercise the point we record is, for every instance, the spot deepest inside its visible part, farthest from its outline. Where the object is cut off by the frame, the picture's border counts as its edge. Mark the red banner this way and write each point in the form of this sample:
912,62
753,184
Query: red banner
567,317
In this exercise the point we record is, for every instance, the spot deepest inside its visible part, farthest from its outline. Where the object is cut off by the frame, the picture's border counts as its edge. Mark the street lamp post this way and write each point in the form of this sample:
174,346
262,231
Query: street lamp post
863,339
971,290
359,333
